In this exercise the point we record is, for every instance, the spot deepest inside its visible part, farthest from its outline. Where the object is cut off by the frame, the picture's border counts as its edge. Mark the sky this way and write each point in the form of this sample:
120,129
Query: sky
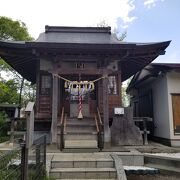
143,20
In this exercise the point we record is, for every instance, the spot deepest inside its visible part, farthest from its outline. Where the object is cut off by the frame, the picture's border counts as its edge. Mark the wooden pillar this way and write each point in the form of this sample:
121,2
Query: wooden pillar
107,133
120,87
54,110
37,84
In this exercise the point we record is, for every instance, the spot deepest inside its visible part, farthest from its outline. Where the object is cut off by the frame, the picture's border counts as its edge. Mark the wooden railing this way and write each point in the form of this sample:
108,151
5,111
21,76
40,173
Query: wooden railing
99,128
62,129
23,126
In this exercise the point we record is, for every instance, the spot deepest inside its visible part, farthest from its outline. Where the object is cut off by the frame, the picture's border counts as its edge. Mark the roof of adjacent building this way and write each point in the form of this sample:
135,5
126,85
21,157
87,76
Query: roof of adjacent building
99,41
152,70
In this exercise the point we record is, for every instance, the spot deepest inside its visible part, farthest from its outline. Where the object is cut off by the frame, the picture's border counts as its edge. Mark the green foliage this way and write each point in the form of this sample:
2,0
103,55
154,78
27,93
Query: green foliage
9,91
125,97
29,91
3,127
3,117
13,30
8,171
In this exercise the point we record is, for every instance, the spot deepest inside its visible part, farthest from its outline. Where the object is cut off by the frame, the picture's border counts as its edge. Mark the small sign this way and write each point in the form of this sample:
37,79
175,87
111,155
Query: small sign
118,111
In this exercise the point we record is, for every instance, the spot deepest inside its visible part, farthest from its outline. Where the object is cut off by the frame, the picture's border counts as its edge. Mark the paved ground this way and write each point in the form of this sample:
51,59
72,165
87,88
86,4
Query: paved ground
153,177
152,147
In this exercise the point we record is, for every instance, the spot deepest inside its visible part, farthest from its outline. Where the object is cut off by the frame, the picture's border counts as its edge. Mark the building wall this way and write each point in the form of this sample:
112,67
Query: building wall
160,105
173,79
45,100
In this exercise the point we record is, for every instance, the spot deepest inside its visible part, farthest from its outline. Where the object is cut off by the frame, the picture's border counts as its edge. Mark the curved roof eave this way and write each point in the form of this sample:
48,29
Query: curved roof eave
20,54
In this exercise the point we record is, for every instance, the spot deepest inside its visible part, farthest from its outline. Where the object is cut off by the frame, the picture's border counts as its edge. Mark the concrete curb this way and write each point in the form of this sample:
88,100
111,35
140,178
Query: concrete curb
161,162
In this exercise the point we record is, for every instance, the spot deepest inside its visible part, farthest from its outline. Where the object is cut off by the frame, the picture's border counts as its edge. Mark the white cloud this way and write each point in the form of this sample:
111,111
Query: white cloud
37,14
151,3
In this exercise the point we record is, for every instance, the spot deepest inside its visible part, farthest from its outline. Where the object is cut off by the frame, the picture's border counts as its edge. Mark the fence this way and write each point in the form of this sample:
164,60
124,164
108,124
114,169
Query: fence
10,166
16,165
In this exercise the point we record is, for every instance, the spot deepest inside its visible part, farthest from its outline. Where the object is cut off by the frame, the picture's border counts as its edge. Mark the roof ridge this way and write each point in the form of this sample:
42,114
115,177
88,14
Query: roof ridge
73,29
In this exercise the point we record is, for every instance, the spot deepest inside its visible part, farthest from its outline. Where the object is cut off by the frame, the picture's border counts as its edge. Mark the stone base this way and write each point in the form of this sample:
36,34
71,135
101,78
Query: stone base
124,131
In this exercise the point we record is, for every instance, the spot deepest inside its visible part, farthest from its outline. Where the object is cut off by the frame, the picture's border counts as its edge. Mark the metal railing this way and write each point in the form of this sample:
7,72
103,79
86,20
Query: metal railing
13,163
37,170
10,165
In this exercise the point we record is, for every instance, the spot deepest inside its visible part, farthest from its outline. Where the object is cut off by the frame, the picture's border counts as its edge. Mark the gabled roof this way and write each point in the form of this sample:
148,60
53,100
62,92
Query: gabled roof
78,35
152,70
99,42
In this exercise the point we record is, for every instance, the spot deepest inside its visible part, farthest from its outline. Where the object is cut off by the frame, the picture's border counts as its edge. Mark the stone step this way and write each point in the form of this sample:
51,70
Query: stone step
82,162
80,143
84,119
89,179
81,122
83,173
79,133
80,129
82,150
80,136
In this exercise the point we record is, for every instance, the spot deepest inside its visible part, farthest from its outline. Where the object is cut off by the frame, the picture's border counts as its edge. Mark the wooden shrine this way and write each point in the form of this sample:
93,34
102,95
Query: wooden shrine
78,68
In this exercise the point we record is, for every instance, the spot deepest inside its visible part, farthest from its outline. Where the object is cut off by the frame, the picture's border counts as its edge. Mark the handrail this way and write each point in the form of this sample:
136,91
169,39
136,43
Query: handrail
99,116
62,116
62,130
65,120
97,127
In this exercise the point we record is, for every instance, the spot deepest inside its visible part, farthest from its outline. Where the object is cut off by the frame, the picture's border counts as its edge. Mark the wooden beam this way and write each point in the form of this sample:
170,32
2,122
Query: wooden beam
107,133
37,84
29,111
90,71
54,109
119,87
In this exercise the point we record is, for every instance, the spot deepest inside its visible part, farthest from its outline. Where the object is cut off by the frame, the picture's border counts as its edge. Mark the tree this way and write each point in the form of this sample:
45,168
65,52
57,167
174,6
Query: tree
118,35
12,30
9,91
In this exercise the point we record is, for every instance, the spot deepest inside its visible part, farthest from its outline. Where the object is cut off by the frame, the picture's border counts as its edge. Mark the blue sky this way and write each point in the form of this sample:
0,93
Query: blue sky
160,22
144,20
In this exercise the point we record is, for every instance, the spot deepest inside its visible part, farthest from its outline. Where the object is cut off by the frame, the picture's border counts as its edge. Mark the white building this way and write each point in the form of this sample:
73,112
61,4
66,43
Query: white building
155,92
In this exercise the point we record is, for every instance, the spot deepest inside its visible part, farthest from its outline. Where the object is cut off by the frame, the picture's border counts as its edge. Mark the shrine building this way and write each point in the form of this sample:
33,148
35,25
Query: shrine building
78,72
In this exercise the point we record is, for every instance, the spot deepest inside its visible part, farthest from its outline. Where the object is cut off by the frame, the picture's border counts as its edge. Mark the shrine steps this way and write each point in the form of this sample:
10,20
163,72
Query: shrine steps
82,166
80,134
80,143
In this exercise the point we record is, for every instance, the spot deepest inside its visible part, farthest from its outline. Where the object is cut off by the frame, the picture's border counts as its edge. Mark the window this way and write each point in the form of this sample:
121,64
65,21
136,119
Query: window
112,85
176,112
45,84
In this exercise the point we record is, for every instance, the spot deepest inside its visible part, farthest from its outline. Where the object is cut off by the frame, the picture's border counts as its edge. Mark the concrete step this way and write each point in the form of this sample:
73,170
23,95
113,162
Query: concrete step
80,150
80,128
80,136
80,122
84,119
83,173
80,143
88,179
162,162
82,162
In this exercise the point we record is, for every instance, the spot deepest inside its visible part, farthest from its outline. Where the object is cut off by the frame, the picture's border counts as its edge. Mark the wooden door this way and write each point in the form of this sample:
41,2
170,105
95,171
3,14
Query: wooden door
176,112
